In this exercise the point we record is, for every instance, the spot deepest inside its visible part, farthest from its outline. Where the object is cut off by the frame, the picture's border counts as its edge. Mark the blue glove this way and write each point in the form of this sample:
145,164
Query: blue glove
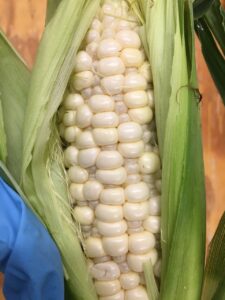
28,257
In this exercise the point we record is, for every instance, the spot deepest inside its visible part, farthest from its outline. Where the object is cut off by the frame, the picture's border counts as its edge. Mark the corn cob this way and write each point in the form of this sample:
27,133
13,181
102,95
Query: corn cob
111,154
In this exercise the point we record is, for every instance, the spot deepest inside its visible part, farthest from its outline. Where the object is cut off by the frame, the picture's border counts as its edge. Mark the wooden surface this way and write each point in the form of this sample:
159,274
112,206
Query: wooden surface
23,22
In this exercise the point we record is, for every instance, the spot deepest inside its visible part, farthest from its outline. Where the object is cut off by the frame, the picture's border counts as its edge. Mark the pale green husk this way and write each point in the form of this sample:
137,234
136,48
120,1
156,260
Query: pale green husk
43,175
14,84
168,35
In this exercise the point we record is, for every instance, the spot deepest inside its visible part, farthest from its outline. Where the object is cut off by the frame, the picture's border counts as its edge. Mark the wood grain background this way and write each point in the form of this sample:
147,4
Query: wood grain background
23,22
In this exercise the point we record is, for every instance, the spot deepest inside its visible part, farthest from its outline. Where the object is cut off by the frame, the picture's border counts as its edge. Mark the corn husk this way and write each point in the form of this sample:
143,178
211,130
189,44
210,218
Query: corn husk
168,37
14,83
43,175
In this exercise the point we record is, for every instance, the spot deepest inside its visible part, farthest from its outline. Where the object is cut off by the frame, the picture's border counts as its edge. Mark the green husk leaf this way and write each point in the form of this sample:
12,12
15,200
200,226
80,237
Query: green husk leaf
169,34
201,7
157,36
43,175
215,19
214,279
183,196
51,8
152,289
14,84
3,146
212,55
7,176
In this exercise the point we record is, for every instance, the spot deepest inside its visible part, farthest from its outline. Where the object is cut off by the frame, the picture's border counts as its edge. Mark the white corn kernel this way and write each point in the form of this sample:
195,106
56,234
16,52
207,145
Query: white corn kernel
113,85
128,39
77,174
137,192
138,293
108,9
129,280
145,71
92,36
105,136
107,288
111,229
83,62
87,157
97,90
131,150
70,133
84,215
150,98
152,224
101,103
69,118
141,115
113,196
136,99
73,101
108,47
108,160
92,49
108,33
119,259
131,166
133,179
112,177
123,25
85,140
149,163
132,57
94,247
129,132
86,93
70,156
105,120
92,190
76,191
136,261
110,22
124,118
109,213
83,116
115,245
97,25
136,211
154,206
110,66
105,271
134,81
141,242
117,296
83,80
124,268
120,107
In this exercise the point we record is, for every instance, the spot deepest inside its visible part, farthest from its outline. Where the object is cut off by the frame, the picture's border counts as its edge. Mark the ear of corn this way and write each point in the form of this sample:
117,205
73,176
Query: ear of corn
14,83
164,38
